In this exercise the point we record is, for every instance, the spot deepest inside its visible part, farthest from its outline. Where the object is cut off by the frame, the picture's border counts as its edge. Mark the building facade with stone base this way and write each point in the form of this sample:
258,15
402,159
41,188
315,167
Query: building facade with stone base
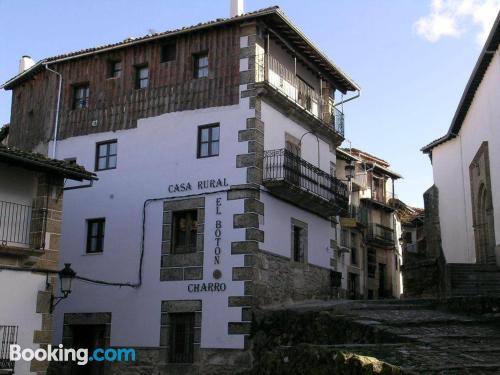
31,197
216,193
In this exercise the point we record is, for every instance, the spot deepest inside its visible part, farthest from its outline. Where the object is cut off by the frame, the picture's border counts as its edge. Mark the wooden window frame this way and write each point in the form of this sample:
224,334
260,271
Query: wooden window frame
112,71
196,66
188,320
299,242
138,78
188,247
101,223
84,101
168,57
210,141
107,156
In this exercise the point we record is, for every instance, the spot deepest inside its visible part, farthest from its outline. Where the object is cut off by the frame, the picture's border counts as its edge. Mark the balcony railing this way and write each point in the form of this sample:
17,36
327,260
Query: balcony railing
8,337
288,84
282,166
360,213
20,225
381,233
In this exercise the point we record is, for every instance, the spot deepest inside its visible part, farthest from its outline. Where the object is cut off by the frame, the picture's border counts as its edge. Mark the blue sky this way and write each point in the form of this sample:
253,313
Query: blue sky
411,58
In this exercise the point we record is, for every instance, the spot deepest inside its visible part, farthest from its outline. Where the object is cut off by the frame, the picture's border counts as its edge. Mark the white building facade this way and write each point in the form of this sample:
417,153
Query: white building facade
465,166
202,214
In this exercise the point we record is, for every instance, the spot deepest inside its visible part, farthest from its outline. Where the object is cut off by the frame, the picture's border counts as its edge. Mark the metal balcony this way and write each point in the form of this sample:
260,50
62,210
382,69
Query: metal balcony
8,337
21,226
295,180
288,88
381,235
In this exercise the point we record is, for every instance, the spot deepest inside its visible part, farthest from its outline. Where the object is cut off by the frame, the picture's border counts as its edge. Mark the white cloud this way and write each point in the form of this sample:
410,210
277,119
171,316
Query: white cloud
453,18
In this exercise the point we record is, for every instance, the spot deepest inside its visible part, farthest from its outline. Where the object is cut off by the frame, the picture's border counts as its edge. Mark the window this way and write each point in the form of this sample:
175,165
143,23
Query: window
168,52
372,263
95,235
408,237
141,77
201,65
185,228
115,69
333,169
71,161
106,153
299,241
208,140
344,238
81,96
181,337
354,249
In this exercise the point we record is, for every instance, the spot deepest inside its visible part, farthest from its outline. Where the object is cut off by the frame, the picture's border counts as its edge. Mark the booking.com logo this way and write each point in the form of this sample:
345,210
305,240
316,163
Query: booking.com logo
80,356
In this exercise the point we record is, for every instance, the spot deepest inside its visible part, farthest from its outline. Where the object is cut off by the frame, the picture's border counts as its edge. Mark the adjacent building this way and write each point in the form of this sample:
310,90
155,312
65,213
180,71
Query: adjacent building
369,249
465,198
31,196
215,148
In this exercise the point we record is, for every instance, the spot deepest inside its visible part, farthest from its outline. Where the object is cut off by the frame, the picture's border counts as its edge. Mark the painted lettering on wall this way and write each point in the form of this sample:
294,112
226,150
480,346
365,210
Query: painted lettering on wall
206,287
212,183
218,230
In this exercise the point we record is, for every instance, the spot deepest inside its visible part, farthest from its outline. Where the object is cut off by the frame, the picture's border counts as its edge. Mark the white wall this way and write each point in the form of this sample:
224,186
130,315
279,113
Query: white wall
17,185
18,293
277,229
451,160
159,152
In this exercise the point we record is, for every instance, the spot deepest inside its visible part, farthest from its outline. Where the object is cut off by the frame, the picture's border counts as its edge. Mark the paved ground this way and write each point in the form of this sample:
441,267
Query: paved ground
423,339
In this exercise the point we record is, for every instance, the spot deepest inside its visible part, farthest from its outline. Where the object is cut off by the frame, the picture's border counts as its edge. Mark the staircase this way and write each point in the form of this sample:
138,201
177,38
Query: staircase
473,279
419,336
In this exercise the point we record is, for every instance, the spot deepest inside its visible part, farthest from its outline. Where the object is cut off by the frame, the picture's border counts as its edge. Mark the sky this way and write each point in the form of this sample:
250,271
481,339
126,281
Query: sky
412,58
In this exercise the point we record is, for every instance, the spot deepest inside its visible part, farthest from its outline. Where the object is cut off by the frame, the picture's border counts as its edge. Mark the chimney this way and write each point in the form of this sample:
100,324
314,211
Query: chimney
25,63
236,8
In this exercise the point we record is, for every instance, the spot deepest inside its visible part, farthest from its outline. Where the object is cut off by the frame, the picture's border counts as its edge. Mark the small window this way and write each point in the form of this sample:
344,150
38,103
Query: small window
115,69
299,241
208,140
181,337
201,65
333,169
106,154
81,96
354,250
95,236
372,263
168,52
185,228
141,77
408,238
71,161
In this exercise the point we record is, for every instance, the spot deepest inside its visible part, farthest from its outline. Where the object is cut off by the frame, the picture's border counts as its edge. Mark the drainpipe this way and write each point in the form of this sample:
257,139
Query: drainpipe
349,99
56,121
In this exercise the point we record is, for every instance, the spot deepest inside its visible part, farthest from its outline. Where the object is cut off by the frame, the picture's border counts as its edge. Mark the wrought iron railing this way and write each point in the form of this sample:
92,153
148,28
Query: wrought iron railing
360,213
283,165
21,225
381,232
286,82
8,337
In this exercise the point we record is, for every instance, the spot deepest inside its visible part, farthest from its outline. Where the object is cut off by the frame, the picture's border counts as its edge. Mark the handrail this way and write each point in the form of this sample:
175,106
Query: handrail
282,164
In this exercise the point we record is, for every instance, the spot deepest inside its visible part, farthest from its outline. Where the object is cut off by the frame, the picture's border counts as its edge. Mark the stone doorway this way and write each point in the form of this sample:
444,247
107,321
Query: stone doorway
482,207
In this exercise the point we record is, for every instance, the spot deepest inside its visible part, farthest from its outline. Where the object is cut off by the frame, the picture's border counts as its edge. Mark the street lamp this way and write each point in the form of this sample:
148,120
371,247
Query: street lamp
350,171
66,276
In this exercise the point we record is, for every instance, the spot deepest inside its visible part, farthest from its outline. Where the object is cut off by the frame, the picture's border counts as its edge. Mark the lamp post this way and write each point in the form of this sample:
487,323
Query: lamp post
66,277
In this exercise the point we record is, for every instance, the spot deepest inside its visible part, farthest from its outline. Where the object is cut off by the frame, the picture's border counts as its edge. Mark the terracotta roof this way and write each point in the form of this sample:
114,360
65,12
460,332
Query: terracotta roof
379,164
408,214
366,155
489,50
35,161
279,20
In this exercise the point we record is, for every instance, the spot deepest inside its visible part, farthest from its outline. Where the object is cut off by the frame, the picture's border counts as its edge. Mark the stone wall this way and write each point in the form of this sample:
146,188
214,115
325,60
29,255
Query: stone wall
279,279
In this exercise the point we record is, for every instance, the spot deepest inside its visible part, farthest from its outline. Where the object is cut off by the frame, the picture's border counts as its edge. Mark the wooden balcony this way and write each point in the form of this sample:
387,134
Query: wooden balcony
297,97
381,235
294,180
